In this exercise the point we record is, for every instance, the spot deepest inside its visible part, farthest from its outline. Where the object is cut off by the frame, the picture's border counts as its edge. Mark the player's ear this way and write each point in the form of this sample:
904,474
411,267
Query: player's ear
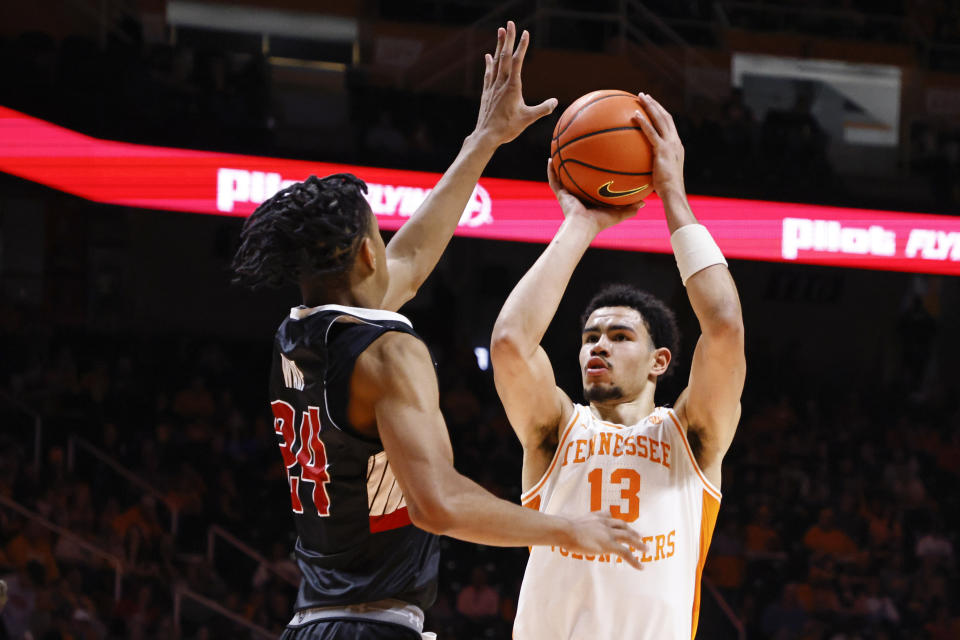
367,255
661,360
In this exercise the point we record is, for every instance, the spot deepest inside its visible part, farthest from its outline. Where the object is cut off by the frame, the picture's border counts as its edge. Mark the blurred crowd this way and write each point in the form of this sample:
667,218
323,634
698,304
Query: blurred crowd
839,518
200,455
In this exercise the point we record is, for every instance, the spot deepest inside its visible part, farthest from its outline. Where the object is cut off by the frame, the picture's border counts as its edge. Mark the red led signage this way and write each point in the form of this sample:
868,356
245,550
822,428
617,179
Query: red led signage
229,184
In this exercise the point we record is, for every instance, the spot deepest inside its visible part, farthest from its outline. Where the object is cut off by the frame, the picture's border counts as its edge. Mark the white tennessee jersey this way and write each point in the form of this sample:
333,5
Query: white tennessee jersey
646,475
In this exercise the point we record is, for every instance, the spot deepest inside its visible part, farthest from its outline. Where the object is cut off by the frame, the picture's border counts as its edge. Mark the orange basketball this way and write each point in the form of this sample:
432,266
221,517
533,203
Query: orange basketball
600,154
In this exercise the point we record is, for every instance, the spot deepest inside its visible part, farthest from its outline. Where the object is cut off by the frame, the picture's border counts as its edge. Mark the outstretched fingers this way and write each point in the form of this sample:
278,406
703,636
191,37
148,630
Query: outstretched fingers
504,68
627,555
501,36
503,112
487,71
627,544
545,108
627,540
635,540
520,54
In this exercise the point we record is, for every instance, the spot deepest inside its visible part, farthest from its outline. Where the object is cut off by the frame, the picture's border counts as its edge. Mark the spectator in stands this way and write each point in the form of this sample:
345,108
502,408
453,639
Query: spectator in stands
24,591
902,477
442,617
726,562
826,538
875,606
33,545
77,611
137,611
478,600
784,617
943,625
761,537
934,544
194,401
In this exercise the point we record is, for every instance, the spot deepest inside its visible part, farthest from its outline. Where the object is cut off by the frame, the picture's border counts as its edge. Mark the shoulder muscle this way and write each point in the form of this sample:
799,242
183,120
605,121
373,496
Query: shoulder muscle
395,366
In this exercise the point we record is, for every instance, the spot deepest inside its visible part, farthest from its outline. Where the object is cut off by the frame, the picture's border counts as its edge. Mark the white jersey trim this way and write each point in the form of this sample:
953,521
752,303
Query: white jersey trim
530,494
711,489
326,340
301,312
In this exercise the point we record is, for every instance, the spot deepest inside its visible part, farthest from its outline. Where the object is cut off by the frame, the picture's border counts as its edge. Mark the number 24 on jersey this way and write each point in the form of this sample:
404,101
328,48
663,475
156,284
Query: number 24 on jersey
311,456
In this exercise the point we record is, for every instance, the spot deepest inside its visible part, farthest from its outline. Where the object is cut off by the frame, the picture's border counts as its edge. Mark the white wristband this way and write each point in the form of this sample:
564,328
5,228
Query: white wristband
695,250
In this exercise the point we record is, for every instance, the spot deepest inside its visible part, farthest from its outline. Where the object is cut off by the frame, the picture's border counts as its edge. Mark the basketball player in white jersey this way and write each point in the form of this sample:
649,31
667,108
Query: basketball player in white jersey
656,468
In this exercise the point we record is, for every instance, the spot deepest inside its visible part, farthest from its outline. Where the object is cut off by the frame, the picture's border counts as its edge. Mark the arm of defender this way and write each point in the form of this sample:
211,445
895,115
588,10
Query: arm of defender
414,250
398,370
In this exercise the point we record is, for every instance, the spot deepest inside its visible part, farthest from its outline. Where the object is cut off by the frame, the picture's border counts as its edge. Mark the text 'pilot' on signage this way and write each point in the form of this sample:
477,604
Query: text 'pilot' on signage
165,179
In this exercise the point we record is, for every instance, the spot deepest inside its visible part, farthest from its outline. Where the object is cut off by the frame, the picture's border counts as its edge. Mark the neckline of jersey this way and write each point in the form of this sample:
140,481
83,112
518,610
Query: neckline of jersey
301,312
656,411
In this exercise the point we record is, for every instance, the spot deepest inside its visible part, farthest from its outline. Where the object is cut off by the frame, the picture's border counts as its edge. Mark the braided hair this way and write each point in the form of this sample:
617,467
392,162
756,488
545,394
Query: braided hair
311,228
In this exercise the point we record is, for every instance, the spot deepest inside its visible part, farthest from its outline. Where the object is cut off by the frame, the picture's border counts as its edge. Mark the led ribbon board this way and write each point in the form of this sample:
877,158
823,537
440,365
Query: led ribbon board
228,184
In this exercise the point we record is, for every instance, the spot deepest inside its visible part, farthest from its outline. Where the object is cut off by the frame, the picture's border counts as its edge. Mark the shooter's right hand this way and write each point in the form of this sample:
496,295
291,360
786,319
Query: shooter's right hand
601,217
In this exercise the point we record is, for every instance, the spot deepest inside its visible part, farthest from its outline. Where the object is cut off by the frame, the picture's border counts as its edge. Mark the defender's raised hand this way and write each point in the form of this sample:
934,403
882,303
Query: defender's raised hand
414,250
503,113
661,130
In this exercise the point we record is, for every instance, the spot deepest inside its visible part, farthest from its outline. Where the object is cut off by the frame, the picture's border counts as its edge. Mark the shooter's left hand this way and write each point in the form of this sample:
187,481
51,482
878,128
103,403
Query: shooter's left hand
668,152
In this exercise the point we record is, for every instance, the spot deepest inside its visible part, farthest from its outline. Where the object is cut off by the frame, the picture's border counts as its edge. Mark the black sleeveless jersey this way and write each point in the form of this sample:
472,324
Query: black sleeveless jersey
355,540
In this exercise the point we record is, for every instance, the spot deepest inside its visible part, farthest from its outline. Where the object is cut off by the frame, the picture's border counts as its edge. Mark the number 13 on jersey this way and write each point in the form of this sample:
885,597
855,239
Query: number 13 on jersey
628,481
312,455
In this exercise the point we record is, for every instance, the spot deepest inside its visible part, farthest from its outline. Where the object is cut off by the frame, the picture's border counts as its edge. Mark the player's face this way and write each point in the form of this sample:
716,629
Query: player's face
616,355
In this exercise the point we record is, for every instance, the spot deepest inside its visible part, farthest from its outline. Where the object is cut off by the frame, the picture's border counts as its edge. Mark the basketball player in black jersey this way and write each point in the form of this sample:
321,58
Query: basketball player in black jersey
355,399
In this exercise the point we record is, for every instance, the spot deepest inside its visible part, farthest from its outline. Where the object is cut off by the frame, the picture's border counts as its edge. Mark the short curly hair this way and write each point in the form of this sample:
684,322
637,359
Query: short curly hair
658,319
311,228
